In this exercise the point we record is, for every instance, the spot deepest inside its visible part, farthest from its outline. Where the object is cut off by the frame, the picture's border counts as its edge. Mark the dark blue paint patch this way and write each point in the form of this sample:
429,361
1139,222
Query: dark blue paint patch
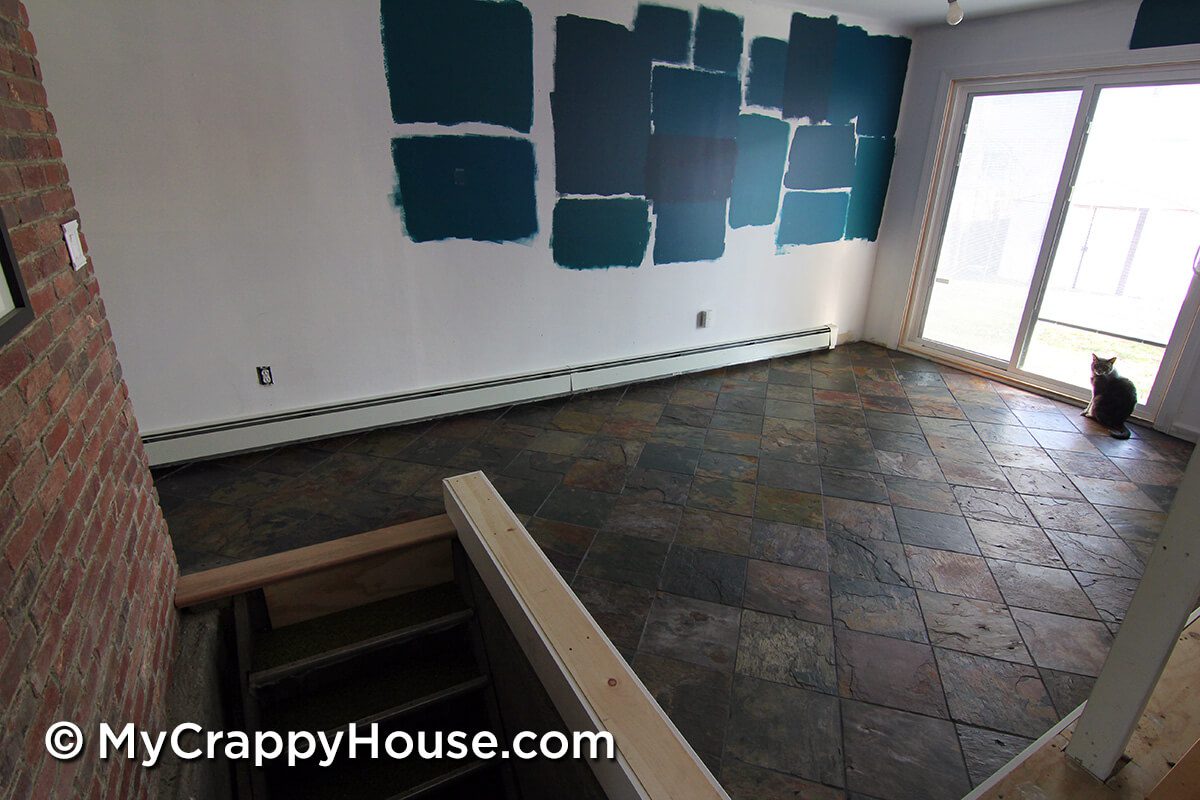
452,61
768,64
592,234
868,80
601,108
689,232
762,145
809,74
692,103
466,187
689,168
718,40
822,157
1166,23
812,218
872,172
665,33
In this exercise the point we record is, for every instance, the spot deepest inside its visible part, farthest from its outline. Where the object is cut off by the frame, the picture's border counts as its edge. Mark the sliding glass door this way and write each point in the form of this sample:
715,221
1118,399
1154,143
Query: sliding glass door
1066,222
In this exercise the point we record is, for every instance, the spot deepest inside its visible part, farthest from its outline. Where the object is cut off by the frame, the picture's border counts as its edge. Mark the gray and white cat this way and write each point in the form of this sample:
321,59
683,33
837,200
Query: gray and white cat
1113,397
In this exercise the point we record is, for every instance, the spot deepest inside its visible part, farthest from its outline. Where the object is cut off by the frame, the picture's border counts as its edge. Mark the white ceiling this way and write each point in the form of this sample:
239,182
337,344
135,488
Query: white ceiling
924,12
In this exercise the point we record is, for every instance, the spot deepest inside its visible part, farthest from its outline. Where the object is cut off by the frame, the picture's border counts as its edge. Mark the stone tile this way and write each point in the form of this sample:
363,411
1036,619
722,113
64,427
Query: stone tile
624,559
1103,555
834,397
694,631
746,782
618,608
1067,690
989,415
889,672
883,421
563,443
952,573
564,544
858,520
787,591
975,473
868,606
669,458
577,506
299,459
1009,433
987,751
896,442
839,415
1041,588
642,410
840,436
747,388
597,476
1040,482
731,442
1063,440
728,466
731,497
789,431
922,495
852,485
1068,644
704,574
777,727
699,398
647,519
795,394
1110,595
1084,465
1014,543
785,505
569,419
742,403
948,428
940,531
737,422
532,465
714,530
1115,493
1067,515
1044,419
788,651
997,694
952,449
945,409
347,468
1163,496
1131,523
897,754
793,545
1157,473
972,626
696,699
908,465
861,457
873,560
788,409
678,434
686,415
789,475
652,484
988,504
1011,455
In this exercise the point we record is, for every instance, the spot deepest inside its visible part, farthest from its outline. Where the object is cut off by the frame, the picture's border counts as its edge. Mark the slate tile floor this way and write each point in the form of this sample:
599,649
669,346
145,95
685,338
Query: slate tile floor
854,574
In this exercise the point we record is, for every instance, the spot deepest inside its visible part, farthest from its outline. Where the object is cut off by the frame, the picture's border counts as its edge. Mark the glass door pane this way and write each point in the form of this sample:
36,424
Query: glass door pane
1009,171
1123,262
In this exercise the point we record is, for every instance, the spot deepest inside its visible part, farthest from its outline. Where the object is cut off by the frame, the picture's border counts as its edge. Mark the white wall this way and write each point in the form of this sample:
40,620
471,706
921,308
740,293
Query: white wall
1090,34
233,172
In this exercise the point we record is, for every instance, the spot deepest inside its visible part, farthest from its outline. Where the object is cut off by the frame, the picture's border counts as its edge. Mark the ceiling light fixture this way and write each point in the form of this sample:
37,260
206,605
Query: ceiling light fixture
954,14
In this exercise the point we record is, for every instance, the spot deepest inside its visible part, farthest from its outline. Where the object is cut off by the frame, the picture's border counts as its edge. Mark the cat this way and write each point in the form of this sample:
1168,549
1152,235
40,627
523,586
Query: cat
1113,397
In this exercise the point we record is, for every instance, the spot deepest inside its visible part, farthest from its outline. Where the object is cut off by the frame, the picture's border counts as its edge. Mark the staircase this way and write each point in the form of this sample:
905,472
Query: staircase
412,663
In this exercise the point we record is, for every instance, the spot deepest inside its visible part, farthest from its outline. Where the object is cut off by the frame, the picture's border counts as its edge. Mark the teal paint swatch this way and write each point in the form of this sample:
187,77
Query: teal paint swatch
1166,23
718,40
690,168
811,48
688,102
822,157
872,172
762,146
768,63
689,232
664,33
868,80
452,61
598,233
466,187
812,218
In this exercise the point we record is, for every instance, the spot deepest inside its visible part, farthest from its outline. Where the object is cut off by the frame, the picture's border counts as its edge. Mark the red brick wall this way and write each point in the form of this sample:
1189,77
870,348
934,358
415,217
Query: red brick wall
87,574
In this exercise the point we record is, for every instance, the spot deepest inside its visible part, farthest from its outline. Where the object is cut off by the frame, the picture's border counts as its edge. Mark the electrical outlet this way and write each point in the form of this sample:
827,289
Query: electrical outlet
703,318
265,378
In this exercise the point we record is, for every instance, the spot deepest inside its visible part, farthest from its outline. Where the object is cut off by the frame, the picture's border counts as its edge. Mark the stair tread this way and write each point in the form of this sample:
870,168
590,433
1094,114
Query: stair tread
286,645
377,779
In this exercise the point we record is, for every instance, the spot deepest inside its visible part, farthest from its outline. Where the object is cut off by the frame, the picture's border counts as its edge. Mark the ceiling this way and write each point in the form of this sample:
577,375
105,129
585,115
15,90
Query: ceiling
925,12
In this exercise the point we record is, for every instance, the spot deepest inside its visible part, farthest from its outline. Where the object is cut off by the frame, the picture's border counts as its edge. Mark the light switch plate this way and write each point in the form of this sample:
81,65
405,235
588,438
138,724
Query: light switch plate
74,246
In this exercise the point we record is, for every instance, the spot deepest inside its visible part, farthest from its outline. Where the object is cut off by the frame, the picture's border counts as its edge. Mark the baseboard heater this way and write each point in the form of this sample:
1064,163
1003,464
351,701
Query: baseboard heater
270,430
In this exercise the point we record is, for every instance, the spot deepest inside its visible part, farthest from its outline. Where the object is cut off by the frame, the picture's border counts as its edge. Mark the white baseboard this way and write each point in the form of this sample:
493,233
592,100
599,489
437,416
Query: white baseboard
259,432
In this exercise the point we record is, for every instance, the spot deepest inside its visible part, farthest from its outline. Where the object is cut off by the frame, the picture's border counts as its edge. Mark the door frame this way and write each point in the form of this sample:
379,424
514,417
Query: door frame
959,94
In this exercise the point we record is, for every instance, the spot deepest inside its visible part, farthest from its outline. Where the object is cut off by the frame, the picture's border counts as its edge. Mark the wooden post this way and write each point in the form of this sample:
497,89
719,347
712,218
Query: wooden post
1160,609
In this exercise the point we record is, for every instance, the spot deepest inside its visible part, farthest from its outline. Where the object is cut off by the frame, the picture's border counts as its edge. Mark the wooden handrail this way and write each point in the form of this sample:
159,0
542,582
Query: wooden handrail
591,684
256,573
